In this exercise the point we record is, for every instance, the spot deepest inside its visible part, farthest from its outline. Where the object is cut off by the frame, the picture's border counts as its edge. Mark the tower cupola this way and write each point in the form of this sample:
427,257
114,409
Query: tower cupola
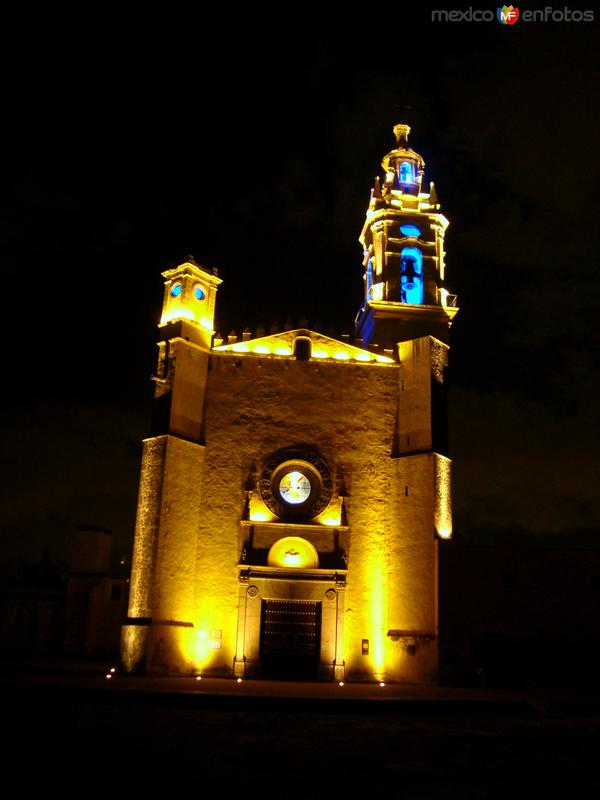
403,254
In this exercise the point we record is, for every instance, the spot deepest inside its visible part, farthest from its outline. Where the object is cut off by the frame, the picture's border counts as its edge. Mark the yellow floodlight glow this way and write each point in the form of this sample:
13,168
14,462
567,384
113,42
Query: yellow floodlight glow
178,312
262,349
377,291
330,517
240,347
292,558
283,351
258,511
377,608
362,357
260,516
320,354
341,355
442,515
293,551
200,649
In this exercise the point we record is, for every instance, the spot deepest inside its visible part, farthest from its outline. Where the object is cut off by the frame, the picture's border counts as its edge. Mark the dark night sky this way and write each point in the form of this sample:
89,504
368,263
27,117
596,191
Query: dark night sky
255,150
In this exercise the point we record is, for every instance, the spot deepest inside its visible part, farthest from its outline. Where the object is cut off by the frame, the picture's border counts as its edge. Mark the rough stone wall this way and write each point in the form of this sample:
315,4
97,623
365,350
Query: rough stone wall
146,527
173,595
413,568
190,365
256,406
253,407
176,550
414,419
134,637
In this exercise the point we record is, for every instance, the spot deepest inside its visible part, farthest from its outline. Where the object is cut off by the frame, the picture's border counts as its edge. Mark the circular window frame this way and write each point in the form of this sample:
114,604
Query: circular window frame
309,464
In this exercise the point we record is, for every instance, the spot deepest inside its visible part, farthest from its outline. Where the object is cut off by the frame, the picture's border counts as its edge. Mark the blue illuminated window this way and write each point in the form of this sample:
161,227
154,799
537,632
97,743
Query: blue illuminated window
406,172
411,276
199,292
176,289
410,230
369,277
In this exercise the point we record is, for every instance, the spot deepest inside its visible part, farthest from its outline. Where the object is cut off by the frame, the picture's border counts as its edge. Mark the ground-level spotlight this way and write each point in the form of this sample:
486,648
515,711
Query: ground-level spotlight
198,677
341,683
382,684
108,676
113,670
239,680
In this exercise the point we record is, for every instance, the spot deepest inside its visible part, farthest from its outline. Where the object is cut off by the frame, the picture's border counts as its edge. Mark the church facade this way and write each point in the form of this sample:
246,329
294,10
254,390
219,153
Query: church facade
295,488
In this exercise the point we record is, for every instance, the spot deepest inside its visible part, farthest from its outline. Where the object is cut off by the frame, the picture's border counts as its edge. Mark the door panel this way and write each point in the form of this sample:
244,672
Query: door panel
290,640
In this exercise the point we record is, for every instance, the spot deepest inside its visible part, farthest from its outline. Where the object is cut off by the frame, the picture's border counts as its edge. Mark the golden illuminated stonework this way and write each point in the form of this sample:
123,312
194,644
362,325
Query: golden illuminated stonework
296,489
283,345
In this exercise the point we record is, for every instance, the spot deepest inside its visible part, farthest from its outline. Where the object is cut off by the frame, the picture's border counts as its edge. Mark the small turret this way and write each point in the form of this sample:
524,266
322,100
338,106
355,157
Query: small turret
190,296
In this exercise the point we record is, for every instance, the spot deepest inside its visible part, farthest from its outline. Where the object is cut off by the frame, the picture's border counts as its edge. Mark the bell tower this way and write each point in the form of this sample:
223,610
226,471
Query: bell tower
186,327
403,244
190,294
161,597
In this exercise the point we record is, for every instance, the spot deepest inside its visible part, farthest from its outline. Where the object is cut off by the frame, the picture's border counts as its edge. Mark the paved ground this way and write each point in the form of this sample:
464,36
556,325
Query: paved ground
85,734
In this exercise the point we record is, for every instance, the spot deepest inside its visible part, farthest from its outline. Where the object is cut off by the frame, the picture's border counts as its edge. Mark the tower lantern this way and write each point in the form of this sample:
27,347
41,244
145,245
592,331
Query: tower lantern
403,168
403,245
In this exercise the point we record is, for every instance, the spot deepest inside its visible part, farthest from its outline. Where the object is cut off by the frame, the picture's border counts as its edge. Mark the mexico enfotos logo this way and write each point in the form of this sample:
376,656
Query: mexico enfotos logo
508,15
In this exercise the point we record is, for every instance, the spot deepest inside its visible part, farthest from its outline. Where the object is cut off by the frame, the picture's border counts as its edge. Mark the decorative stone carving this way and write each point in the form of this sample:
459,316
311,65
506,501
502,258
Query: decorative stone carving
252,591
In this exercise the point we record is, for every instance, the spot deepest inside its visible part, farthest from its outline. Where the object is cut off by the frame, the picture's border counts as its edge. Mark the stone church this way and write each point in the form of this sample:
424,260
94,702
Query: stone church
296,487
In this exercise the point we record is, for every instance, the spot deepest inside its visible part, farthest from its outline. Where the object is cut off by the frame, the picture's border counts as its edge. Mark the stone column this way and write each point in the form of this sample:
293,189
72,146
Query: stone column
134,633
239,662
339,667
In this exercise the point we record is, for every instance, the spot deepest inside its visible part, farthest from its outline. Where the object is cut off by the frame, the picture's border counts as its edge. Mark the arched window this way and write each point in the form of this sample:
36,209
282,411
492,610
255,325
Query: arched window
411,276
410,230
369,275
406,172
302,348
